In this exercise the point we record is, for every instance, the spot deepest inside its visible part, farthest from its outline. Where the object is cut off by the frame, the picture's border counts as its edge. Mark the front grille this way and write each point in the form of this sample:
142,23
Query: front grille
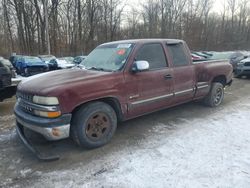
25,107
25,96
25,103
247,64
22,97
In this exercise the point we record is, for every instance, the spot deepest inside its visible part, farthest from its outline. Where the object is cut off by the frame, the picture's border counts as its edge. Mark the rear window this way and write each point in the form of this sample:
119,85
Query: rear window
178,55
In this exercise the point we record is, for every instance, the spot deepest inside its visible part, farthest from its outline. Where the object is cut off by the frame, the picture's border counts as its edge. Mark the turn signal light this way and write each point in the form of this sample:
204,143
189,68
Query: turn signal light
47,114
54,114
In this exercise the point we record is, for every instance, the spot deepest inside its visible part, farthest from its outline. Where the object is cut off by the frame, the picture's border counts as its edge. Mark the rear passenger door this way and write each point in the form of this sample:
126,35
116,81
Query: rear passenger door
183,72
154,86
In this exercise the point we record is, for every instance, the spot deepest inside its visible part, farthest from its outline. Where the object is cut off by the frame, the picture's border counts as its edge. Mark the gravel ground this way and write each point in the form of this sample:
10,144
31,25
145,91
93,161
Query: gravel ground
187,146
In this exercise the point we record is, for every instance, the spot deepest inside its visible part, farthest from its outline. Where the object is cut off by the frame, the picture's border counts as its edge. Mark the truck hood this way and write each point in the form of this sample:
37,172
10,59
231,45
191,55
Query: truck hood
48,83
245,60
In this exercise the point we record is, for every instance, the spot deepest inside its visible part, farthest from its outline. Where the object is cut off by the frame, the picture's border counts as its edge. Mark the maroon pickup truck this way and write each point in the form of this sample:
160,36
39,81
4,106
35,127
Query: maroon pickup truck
117,81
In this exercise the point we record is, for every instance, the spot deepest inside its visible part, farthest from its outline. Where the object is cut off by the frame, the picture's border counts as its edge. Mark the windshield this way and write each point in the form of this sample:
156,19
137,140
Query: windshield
109,57
33,60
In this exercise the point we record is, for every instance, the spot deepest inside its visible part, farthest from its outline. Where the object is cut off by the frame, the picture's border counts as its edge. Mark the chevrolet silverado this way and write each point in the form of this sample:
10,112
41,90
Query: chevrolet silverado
117,81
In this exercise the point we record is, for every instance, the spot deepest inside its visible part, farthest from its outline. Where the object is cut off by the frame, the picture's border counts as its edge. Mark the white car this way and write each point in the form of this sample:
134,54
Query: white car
64,64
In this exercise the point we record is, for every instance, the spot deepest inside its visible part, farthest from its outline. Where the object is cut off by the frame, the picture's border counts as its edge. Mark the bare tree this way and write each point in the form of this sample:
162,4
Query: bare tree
72,27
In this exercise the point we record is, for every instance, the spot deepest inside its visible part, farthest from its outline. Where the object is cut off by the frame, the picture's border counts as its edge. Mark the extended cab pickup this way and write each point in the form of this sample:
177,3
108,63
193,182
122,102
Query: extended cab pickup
117,81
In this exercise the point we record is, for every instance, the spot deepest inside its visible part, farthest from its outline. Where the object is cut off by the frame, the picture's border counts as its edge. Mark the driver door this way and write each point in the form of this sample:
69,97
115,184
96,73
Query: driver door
153,88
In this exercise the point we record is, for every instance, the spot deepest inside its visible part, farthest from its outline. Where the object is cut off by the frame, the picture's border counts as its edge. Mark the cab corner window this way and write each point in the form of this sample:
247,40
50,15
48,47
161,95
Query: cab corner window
153,54
178,55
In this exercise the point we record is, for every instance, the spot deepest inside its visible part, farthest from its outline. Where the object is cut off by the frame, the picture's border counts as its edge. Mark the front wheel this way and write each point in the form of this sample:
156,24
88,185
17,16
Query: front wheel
93,125
215,96
237,75
26,72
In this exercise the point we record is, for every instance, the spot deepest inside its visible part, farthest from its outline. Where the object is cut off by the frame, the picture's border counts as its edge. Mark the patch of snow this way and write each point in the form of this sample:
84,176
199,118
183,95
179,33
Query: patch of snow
24,172
202,152
7,117
8,135
18,78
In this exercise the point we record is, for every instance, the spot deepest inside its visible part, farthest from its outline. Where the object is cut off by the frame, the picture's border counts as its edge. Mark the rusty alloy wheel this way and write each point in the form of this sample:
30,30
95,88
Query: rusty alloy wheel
93,125
218,96
98,126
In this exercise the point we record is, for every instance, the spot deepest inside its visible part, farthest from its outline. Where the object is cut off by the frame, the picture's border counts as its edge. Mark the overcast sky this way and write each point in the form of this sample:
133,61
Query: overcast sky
217,5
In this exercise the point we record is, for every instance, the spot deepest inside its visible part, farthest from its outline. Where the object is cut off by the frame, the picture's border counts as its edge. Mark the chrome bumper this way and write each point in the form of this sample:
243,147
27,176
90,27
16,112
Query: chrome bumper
50,133
50,128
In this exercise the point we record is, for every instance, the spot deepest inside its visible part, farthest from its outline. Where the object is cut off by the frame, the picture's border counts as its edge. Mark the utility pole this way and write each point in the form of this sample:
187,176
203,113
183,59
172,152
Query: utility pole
47,24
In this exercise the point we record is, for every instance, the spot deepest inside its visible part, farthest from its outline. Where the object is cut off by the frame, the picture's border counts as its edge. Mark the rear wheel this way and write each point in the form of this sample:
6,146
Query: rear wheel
215,96
93,125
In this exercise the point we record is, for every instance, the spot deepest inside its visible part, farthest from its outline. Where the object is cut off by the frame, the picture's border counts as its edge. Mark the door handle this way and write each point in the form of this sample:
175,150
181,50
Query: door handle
167,77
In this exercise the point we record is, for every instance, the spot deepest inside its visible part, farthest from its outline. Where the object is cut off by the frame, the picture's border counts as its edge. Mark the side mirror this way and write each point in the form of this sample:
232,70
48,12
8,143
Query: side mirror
140,66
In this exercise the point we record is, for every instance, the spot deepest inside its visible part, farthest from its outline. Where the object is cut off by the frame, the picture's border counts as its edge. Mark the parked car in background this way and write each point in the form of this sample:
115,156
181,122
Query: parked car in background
30,65
6,88
47,59
210,54
196,57
242,68
201,54
14,58
235,58
79,59
221,55
5,75
62,63
7,63
68,59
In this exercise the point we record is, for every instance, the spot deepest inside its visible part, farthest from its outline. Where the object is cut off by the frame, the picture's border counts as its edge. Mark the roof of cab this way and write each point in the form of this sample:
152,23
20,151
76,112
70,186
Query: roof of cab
142,41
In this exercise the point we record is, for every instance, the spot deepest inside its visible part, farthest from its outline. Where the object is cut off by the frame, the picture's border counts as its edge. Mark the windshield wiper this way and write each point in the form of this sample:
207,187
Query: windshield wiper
99,69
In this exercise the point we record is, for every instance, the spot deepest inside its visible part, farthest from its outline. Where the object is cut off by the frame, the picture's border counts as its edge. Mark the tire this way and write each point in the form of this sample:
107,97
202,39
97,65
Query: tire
93,125
237,75
22,73
26,72
215,96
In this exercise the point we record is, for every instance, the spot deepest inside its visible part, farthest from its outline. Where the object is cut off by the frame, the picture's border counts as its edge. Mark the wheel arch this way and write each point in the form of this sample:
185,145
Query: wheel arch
112,101
221,79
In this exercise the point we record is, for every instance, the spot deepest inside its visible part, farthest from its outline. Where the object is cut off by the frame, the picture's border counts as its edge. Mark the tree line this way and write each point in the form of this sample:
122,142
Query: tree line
75,27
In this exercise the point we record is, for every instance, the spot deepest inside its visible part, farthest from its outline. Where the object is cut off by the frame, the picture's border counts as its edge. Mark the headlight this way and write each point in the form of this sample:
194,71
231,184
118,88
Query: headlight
45,100
240,63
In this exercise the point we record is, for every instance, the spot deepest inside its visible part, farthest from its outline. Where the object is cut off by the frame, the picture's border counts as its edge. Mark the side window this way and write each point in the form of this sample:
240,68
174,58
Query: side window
154,54
177,54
